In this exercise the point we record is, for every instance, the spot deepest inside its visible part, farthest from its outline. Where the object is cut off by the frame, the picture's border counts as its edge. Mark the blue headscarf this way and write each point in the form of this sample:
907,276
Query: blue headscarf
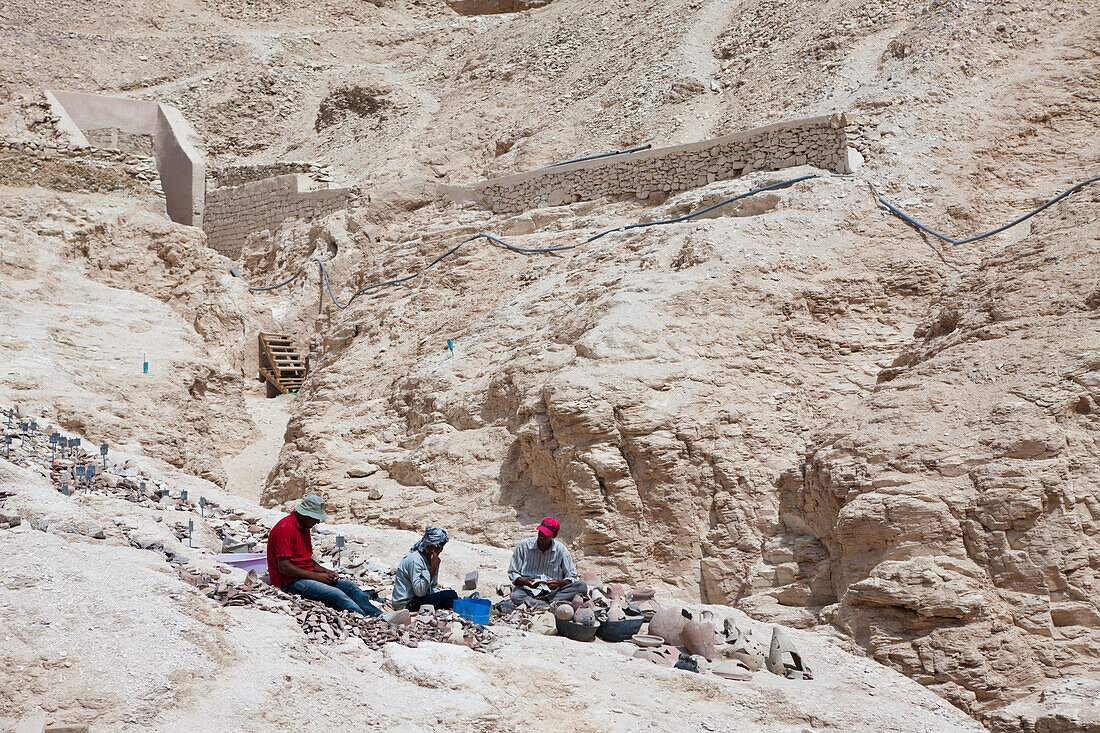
433,537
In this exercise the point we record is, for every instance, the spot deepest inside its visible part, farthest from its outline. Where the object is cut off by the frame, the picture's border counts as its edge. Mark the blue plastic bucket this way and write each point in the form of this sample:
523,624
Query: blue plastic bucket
473,609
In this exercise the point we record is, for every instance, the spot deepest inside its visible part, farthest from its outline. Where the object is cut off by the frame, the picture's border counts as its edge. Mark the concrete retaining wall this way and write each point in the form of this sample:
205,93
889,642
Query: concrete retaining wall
233,213
176,147
818,141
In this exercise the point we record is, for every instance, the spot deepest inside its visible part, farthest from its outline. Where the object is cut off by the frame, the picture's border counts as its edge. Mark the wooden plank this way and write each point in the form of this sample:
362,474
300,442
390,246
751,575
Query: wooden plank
273,380
270,357
287,367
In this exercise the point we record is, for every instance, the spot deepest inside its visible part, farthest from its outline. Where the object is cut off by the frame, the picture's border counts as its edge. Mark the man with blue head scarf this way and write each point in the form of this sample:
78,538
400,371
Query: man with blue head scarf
414,585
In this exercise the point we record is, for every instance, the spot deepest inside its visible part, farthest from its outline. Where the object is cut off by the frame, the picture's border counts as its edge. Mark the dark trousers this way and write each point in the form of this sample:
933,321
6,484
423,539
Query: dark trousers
439,599
522,596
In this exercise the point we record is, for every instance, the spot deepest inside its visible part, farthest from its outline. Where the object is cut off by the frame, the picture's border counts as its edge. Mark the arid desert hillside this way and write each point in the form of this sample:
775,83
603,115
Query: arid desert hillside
797,407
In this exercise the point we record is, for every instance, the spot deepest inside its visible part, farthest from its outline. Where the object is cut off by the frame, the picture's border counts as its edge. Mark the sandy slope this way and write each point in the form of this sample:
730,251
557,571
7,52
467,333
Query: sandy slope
81,616
247,470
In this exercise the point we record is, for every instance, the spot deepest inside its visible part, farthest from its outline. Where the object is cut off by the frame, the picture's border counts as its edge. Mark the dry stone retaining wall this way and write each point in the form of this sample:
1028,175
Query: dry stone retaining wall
232,213
238,175
113,138
819,141
141,171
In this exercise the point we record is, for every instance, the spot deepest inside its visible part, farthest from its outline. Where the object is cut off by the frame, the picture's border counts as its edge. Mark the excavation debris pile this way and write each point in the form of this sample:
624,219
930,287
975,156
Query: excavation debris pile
328,625
74,469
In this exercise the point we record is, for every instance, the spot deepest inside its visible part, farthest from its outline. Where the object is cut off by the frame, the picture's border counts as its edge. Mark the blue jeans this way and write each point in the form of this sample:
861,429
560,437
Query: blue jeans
344,595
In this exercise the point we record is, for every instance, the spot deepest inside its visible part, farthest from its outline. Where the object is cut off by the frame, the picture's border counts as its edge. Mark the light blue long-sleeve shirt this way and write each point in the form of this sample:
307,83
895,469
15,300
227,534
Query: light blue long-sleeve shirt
413,579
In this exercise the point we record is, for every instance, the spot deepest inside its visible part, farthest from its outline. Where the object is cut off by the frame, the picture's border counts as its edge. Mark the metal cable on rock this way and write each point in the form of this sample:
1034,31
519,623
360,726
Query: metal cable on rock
640,225
898,212
284,282
638,149
712,207
433,263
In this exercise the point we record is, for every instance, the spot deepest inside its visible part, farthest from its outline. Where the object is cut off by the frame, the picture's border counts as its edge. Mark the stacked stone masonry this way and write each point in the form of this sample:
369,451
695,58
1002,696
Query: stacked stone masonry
140,168
177,148
238,175
113,138
232,213
820,141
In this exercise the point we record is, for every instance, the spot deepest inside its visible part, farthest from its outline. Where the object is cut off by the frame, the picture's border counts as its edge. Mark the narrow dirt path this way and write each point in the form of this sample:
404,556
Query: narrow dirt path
248,470
699,62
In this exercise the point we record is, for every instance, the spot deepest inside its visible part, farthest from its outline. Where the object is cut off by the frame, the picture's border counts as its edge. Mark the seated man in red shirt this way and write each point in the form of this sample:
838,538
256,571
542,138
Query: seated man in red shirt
291,567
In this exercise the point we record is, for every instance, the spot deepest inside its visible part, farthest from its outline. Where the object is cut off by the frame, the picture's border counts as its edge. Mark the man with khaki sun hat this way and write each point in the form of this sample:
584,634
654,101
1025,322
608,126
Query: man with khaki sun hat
291,566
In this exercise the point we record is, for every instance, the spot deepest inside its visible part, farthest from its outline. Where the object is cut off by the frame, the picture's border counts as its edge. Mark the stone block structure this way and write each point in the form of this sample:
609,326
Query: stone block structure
112,138
234,212
819,141
263,199
138,171
238,175
88,119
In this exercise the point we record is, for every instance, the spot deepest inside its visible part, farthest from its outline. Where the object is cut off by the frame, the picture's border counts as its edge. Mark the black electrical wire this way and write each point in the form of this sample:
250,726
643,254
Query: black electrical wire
782,184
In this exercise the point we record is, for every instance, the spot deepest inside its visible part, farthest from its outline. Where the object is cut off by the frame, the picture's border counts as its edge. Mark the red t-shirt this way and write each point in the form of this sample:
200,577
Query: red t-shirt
288,539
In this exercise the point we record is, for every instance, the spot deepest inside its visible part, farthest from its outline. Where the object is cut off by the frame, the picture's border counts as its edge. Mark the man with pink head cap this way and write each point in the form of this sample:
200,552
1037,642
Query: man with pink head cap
542,570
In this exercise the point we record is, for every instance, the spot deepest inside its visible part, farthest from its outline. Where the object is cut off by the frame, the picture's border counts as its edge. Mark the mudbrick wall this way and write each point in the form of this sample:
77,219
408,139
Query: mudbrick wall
232,213
826,142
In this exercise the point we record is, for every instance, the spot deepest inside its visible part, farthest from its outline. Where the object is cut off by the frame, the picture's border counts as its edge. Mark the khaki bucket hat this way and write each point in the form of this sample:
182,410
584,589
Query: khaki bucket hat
312,506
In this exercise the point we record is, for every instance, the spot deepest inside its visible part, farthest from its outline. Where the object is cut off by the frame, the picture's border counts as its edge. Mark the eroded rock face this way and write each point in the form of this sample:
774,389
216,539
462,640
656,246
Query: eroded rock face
960,503
648,391
112,286
746,426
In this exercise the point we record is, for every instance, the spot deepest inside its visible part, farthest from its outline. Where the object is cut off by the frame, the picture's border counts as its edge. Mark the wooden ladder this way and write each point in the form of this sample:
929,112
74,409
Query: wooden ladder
281,364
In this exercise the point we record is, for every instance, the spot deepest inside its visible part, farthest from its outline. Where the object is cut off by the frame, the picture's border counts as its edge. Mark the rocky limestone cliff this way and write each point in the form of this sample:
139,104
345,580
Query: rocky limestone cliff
73,265
960,503
799,406
842,429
